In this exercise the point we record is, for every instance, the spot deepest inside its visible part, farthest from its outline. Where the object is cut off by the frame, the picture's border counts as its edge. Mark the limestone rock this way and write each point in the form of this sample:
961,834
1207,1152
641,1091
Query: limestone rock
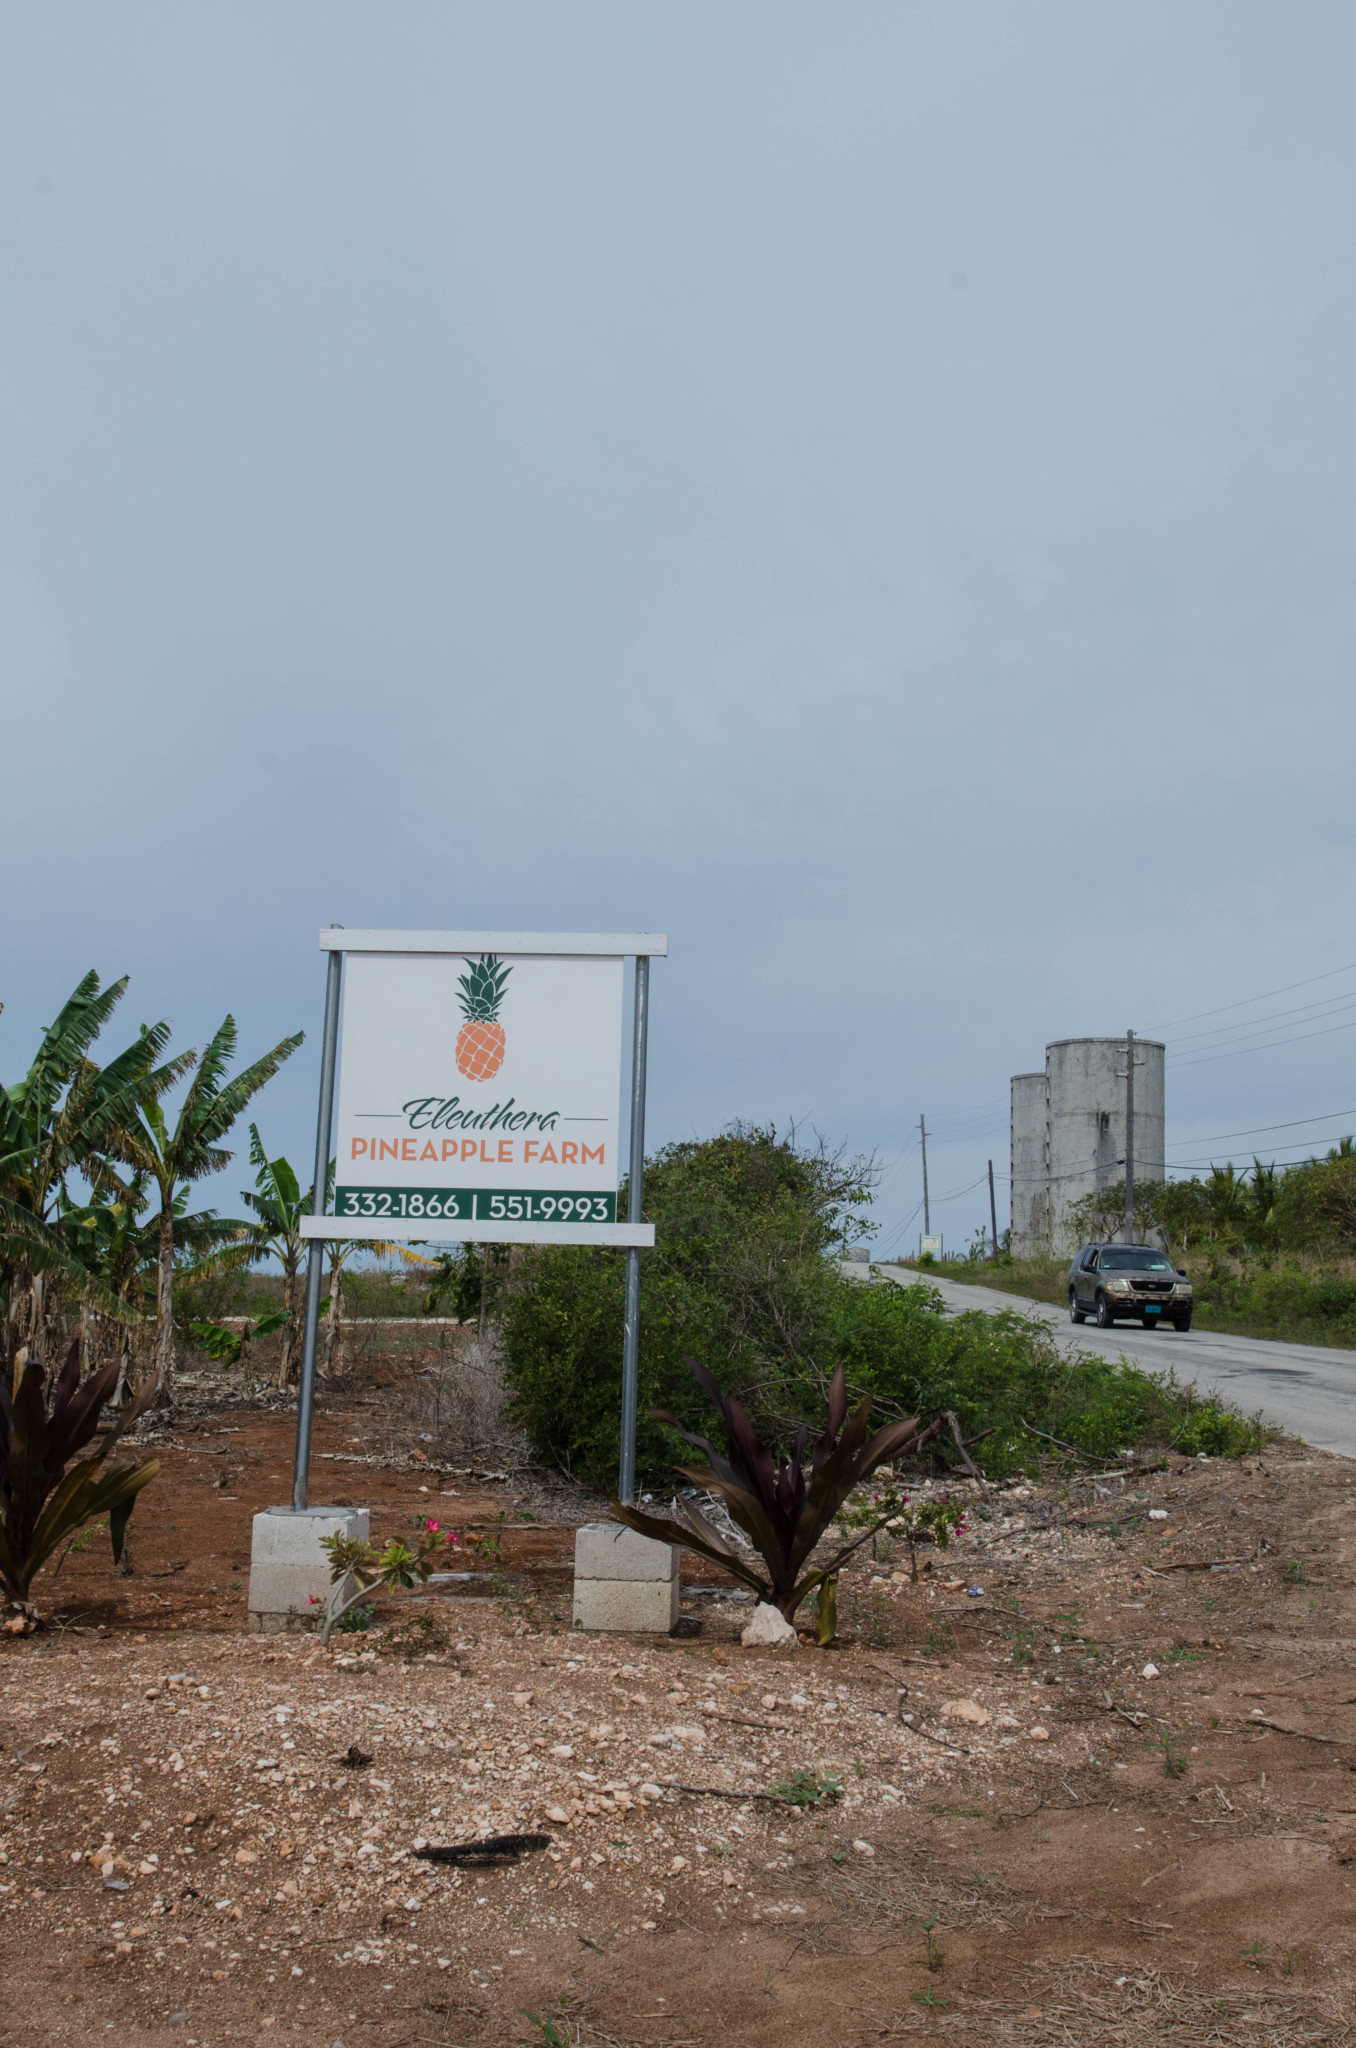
767,1627
966,1710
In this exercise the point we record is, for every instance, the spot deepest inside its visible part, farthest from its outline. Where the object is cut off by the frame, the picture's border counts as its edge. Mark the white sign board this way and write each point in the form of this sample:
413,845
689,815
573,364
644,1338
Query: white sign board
481,1089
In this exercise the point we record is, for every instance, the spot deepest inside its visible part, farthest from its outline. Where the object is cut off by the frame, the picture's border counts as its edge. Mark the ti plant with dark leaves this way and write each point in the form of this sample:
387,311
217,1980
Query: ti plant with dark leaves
783,1511
45,1498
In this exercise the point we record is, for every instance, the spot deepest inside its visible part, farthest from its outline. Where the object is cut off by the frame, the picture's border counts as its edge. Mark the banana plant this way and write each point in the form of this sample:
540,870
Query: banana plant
783,1511
174,1158
44,1497
61,1119
279,1205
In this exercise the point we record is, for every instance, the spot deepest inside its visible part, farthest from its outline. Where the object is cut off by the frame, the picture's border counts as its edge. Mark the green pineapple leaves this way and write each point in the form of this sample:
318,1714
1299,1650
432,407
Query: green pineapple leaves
482,989
784,1514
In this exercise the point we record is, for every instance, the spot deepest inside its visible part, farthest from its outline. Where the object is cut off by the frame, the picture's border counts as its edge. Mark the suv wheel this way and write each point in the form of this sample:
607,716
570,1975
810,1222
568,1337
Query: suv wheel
1182,1322
1103,1318
1076,1314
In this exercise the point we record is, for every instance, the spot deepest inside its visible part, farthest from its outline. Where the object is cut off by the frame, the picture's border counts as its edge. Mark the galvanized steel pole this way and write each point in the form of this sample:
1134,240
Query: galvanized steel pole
626,1479
315,1260
927,1207
993,1214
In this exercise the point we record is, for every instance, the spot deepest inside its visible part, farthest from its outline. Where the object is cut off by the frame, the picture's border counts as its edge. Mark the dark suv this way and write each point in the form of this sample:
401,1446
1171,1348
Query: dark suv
1114,1282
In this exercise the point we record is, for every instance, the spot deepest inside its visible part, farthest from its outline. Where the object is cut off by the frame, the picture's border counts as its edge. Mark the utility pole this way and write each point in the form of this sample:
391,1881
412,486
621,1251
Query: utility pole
993,1214
1129,1137
927,1213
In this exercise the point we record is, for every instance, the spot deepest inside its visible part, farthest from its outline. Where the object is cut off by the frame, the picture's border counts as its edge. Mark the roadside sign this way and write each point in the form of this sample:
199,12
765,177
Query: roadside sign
479,1087
479,1090
930,1244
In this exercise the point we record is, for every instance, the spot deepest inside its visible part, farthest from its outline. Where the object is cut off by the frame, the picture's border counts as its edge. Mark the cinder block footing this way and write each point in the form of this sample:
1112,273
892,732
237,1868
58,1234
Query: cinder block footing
289,1572
623,1581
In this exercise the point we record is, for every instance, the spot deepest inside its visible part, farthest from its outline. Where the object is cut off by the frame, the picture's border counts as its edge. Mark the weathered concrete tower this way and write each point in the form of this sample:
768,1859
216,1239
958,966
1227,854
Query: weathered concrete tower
1029,1165
1068,1134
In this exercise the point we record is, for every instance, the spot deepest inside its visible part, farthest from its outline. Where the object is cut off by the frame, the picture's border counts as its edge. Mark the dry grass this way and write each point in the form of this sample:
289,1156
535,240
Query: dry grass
1091,2005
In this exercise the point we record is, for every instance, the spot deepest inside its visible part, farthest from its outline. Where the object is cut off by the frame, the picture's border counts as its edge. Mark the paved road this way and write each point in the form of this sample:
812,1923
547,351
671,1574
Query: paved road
1307,1389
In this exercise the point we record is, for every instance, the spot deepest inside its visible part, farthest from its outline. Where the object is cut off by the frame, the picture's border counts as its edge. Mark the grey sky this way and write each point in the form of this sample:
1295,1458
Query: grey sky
867,490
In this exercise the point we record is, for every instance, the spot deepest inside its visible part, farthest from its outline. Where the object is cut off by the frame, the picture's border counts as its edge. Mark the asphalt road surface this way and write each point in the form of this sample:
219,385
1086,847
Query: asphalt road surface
1307,1389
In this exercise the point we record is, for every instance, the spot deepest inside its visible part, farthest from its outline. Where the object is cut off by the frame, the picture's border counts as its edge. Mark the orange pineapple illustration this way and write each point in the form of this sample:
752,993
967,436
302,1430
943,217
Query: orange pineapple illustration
480,1042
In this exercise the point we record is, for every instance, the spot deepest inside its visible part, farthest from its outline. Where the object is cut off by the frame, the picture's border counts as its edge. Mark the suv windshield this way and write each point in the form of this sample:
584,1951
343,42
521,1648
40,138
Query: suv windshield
1128,1259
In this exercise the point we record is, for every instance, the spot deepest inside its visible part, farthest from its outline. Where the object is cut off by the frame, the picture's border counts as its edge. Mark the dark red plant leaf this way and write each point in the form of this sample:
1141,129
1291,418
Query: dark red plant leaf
837,1414
76,1410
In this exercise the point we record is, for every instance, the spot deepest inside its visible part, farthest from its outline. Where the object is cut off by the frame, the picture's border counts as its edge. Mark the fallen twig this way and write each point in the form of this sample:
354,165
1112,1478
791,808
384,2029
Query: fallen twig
1209,1564
942,1741
719,1792
1006,1819
1303,1734
966,1460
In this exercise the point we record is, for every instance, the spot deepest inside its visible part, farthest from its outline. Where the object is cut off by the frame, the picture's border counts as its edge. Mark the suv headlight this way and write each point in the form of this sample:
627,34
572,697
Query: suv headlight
1182,1289
1118,1287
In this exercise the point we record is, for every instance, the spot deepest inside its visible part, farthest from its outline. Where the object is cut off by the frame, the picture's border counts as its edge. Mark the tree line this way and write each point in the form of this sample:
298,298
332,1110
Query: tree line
98,1183
1308,1207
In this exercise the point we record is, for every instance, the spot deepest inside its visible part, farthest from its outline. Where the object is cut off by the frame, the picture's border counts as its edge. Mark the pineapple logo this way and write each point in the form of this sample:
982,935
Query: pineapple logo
480,1042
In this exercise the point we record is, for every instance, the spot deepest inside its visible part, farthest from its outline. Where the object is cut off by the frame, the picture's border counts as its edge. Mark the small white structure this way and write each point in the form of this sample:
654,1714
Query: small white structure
623,1580
289,1572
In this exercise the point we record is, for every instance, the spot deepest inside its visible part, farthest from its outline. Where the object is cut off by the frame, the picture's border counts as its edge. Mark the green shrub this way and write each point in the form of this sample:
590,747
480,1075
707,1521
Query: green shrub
739,1279
1001,1373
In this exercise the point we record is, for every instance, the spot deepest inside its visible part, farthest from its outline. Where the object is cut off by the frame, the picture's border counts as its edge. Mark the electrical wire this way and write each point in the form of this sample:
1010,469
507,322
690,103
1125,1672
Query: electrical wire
1259,1130
1273,1154
1238,1052
1330,1006
1245,1002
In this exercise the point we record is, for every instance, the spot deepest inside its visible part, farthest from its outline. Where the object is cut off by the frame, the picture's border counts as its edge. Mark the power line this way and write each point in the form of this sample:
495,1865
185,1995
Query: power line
1238,1051
1329,1006
1259,1130
1246,1001
1274,1152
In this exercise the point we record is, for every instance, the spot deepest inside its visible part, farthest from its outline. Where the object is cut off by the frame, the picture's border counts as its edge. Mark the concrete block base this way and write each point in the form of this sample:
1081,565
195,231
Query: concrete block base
624,1582
289,1572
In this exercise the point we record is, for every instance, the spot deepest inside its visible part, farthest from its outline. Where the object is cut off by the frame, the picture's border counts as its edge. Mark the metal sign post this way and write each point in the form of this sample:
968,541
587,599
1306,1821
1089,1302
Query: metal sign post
626,1478
315,1258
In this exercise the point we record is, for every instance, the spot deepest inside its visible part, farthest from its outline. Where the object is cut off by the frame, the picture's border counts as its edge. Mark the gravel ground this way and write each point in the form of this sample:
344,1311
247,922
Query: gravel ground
1068,1771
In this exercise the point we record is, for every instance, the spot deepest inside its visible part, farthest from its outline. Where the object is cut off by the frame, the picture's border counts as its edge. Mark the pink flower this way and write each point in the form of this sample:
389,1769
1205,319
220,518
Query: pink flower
434,1526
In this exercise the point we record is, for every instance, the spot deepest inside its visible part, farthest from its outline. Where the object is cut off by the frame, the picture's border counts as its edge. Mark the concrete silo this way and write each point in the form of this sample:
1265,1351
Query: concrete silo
1084,1126
1029,1166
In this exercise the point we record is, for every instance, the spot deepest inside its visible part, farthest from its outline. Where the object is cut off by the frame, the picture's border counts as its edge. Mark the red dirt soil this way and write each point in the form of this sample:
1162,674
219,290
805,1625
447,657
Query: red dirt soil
1056,1849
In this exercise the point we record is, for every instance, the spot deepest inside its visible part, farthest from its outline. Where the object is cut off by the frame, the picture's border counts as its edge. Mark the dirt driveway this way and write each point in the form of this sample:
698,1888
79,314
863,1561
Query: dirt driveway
1119,1808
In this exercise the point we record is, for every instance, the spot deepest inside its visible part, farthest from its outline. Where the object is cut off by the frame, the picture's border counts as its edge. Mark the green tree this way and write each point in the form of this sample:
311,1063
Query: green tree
1317,1201
174,1158
63,1119
278,1203
741,1278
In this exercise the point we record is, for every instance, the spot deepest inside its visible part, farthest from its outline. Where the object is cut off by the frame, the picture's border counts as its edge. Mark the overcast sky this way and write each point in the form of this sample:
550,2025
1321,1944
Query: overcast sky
866,490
